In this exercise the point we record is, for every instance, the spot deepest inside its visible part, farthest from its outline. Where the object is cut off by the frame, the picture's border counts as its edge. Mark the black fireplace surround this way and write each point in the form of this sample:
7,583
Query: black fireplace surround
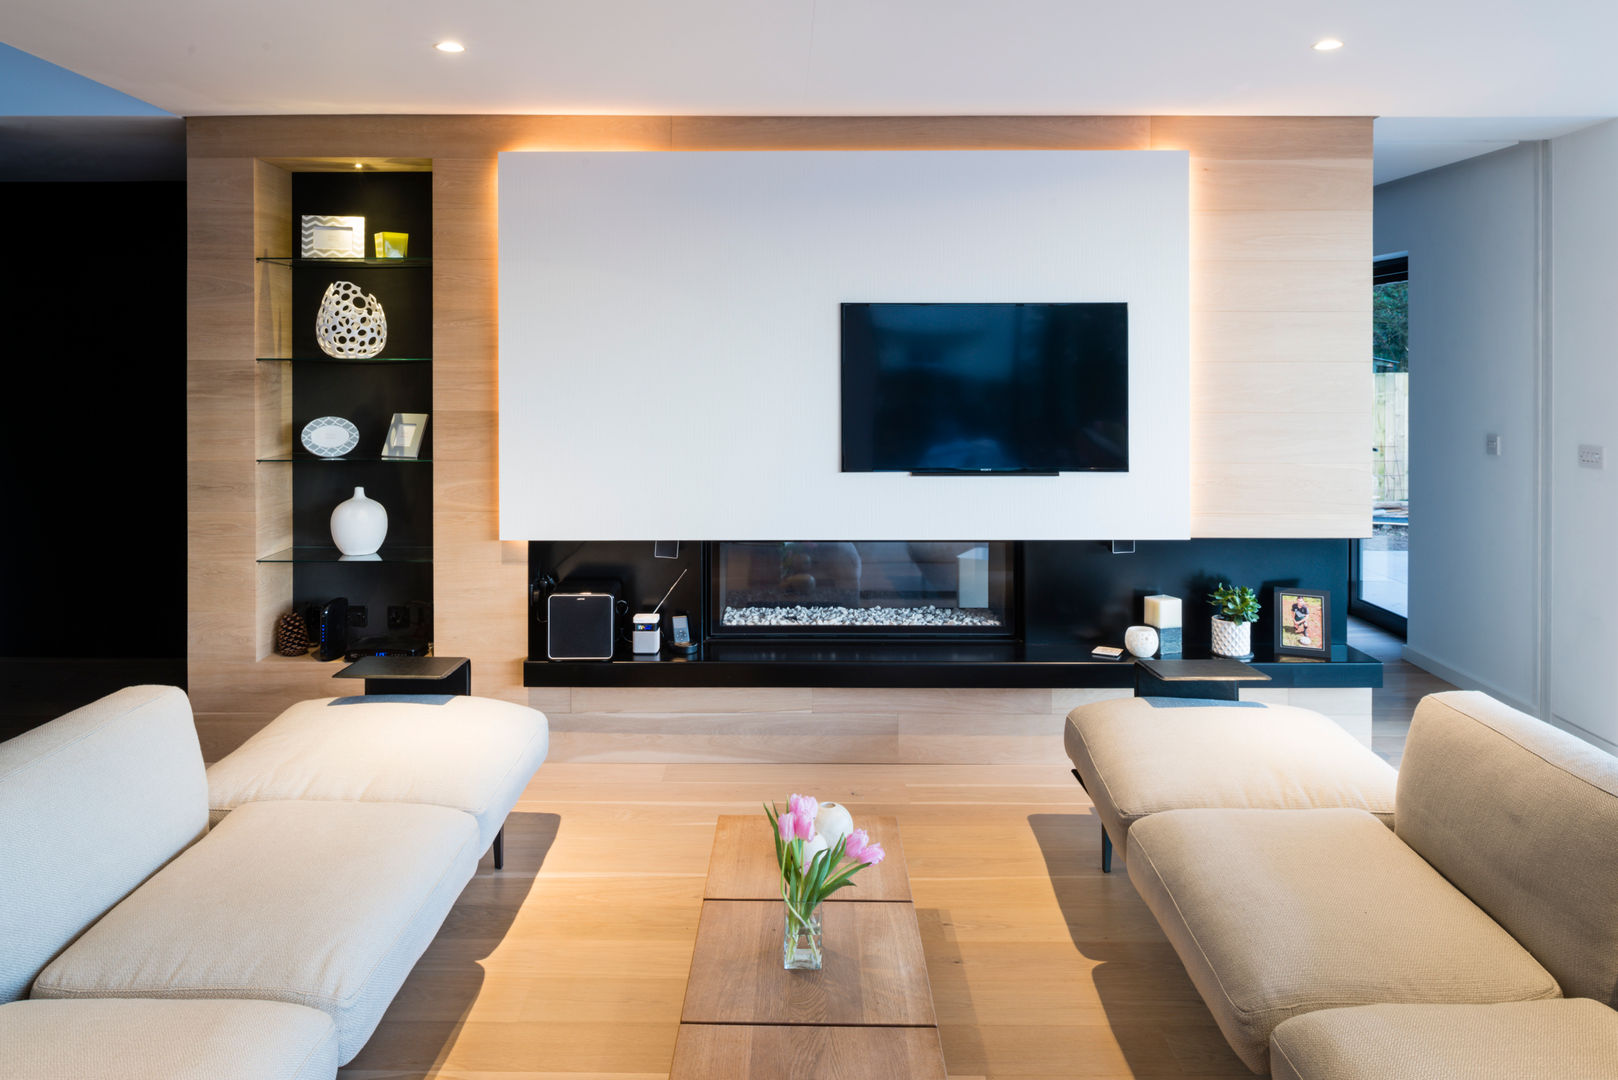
1030,621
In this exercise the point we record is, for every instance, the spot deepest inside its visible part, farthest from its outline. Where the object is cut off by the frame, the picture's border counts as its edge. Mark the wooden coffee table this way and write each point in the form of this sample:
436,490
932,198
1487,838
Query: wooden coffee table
866,1015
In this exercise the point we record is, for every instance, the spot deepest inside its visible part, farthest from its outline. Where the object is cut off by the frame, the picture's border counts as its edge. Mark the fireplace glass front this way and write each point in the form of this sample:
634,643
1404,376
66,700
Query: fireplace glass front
825,588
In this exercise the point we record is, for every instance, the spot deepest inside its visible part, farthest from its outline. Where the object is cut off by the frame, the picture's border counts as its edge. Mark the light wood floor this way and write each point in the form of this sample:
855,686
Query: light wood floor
571,962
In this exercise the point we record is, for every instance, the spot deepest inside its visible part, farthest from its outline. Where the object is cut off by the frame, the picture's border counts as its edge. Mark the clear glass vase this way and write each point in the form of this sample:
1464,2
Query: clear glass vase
800,940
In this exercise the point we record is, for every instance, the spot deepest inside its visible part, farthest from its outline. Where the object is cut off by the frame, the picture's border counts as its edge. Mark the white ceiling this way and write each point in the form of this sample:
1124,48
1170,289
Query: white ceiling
1411,58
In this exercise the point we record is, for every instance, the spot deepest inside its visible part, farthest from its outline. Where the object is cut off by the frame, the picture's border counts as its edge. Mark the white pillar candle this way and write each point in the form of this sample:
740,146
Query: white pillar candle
1163,612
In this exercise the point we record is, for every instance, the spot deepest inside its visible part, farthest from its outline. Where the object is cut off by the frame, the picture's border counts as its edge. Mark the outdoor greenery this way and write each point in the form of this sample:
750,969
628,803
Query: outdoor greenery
1390,326
1234,603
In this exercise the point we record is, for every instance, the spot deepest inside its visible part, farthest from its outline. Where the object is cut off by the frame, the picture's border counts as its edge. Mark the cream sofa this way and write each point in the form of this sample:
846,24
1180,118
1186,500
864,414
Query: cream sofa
1141,756
1494,898
273,942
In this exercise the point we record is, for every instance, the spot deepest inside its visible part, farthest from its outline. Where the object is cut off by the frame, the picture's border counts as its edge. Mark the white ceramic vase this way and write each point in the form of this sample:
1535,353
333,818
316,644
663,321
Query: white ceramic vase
833,823
359,525
1233,639
1141,641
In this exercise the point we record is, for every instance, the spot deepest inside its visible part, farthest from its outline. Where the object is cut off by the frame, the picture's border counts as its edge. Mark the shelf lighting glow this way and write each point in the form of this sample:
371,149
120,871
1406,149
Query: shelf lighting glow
1330,44
450,47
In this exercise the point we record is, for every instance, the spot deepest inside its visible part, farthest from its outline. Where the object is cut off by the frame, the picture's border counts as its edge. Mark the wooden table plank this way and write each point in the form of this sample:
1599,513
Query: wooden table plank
742,866
875,972
760,1052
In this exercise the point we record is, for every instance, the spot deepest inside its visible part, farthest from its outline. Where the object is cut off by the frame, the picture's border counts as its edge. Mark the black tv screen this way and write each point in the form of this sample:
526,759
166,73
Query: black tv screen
985,388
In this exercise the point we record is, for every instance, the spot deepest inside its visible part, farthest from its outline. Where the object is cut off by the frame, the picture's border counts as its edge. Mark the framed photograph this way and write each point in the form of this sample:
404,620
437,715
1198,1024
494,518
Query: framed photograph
405,435
1302,623
332,237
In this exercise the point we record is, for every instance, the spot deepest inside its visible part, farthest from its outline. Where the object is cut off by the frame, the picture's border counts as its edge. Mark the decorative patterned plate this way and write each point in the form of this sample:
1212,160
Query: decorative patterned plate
330,436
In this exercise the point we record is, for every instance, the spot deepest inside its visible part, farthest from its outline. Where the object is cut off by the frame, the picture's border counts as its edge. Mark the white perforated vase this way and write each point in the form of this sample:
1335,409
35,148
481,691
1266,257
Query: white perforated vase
350,324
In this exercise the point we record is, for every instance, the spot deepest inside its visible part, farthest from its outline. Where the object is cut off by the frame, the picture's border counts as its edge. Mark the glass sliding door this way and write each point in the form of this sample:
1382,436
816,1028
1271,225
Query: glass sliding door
1381,564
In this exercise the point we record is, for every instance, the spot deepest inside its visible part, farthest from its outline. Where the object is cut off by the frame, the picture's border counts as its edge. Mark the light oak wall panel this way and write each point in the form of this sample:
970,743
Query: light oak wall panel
1280,282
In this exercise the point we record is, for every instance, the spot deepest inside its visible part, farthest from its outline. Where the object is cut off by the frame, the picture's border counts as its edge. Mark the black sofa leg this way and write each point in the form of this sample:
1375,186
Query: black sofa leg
500,849
1106,841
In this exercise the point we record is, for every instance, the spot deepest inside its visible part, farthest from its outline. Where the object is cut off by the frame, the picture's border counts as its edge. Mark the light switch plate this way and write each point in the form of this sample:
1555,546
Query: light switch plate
1592,457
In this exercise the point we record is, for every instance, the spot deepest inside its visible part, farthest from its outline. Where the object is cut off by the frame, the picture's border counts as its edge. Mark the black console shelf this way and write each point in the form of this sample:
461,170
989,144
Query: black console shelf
996,666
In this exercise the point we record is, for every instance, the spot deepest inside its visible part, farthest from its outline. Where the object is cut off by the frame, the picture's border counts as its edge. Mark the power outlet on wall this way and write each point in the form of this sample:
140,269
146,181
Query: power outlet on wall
357,615
1592,457
398,617
1491,445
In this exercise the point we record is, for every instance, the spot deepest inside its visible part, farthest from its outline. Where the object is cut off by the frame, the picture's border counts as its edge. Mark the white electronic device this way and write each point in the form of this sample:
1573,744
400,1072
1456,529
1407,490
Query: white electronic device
647,637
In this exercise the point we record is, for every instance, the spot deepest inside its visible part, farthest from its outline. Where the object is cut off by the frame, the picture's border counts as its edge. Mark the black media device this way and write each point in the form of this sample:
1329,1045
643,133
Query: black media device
985,388
581,620
330,626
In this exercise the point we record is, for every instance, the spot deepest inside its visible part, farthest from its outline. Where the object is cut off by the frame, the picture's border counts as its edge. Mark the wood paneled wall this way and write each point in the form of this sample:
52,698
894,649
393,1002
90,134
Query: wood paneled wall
1280,294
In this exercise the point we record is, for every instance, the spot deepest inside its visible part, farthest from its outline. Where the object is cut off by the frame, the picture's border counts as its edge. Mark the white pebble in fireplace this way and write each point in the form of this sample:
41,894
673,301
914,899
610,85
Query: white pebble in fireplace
837,615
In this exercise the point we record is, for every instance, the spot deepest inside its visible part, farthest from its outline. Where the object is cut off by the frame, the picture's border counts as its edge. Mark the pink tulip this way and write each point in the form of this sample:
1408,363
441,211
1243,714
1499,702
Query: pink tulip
788,824
803,824
806,806
858,847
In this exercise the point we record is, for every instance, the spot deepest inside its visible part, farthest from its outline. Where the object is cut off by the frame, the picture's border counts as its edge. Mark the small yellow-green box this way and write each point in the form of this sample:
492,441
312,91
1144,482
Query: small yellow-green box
392,245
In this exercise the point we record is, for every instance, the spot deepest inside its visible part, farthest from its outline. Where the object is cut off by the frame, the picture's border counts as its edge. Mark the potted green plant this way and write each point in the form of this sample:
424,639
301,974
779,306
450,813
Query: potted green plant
1235,611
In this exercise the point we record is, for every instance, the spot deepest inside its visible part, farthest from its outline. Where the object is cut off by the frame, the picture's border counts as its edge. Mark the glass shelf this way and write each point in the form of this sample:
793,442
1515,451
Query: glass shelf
344,360
326,553
368,264
300,459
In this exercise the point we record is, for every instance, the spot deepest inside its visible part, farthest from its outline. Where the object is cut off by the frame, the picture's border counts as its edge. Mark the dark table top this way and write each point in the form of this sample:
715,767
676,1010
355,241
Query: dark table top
1212,669
426,668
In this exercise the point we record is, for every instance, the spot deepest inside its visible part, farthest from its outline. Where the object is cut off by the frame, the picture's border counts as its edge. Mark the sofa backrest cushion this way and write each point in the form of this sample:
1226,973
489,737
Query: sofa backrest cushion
91,805
1523,818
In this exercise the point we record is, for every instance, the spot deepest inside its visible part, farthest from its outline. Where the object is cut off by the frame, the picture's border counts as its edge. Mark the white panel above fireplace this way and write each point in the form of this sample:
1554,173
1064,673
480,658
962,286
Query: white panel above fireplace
669,325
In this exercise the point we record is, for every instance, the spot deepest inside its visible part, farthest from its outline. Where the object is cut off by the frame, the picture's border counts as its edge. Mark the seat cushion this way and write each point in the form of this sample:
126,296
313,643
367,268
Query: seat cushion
1140,756
1281,912
1523,818
324,904
178,1040
468,753
1575,1039
91,805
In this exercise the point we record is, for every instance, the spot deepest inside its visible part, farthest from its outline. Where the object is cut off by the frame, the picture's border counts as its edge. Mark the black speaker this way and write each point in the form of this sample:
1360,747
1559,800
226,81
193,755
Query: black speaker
581,620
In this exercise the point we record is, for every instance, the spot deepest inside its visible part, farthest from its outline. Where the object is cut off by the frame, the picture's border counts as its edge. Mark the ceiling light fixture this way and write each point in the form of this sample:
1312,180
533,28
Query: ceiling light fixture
1329,44
450,46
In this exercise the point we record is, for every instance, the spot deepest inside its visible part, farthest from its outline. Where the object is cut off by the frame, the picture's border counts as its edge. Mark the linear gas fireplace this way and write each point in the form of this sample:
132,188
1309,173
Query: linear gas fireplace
861,588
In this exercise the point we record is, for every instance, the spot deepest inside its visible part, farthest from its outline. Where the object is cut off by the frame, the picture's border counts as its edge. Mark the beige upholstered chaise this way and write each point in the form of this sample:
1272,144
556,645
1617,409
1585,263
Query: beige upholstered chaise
267,947
1141,756
1499,884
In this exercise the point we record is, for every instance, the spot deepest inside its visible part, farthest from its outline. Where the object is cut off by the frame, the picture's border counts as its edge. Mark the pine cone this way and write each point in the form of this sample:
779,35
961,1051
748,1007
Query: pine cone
291,635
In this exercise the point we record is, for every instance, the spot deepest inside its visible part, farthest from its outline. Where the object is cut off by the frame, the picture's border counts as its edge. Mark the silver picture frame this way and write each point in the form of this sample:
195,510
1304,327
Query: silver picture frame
327,236
405,435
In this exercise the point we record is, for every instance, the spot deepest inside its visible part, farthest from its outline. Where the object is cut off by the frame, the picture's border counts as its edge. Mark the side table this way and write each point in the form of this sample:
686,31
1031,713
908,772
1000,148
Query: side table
1217,678
411,674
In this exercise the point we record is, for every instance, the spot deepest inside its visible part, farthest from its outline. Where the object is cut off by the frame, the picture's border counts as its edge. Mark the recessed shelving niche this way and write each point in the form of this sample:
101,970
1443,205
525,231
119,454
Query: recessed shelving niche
298,566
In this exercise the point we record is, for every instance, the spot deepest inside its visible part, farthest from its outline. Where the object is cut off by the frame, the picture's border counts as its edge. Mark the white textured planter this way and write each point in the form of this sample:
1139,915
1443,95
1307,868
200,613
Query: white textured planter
1232,638
359,525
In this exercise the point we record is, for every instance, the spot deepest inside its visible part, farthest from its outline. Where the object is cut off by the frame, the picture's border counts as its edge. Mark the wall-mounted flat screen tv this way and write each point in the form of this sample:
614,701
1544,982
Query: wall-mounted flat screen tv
985,388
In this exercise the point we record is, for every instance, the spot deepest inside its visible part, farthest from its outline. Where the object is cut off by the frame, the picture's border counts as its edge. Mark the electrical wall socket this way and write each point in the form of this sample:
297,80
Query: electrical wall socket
1592,457
357,615
1491,445
398,617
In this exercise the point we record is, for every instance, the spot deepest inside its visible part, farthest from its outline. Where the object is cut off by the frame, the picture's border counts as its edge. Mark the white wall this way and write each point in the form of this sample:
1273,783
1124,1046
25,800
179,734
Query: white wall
1472,231
1583,654
669,334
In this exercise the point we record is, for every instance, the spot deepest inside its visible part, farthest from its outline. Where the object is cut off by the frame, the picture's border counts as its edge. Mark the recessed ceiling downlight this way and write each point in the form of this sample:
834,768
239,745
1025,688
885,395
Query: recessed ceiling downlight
1329,44
456,46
